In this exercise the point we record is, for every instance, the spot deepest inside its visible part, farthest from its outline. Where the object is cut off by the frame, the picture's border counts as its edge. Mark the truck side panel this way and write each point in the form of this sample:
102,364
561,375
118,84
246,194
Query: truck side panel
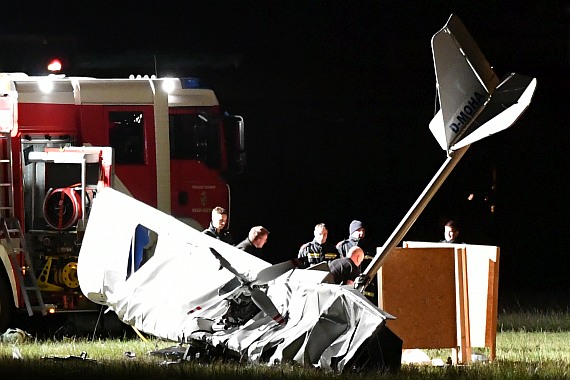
130,131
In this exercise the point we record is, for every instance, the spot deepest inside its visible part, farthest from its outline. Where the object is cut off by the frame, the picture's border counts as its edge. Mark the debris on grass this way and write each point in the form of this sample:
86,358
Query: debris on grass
81,357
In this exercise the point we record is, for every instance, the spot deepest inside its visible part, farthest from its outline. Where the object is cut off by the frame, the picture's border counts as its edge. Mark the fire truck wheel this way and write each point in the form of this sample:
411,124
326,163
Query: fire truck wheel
6,305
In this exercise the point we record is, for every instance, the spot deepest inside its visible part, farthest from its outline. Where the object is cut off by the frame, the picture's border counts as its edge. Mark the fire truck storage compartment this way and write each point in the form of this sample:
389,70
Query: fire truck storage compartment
58,185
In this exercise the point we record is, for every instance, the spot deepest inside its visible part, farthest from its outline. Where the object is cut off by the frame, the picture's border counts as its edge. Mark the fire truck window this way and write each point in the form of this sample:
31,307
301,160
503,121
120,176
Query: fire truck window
126,136
195,137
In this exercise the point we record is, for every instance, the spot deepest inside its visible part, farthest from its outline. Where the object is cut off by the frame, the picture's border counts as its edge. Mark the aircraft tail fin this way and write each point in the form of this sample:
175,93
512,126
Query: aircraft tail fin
510,99
470,94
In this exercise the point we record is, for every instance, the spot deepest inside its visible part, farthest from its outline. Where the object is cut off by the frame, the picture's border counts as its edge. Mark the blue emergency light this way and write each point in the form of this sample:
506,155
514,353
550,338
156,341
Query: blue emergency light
190,82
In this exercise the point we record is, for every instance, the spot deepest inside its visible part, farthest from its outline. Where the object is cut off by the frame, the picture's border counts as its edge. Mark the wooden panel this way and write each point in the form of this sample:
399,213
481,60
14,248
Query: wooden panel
418,287
443,296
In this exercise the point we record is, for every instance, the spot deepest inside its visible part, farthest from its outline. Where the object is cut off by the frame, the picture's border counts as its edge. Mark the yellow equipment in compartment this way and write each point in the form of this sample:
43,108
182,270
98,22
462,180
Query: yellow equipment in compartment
62,277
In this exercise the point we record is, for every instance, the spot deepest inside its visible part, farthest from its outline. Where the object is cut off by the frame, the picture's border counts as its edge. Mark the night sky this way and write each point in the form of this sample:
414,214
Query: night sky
337,97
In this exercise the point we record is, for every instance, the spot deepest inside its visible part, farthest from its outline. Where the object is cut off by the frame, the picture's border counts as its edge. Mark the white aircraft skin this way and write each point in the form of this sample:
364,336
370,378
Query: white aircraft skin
175,294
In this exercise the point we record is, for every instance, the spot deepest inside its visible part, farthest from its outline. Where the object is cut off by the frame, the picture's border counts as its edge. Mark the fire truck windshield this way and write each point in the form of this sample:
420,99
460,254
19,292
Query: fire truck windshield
196,137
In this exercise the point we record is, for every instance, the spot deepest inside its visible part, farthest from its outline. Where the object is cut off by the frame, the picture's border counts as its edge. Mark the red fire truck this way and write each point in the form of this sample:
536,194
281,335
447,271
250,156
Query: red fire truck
164,141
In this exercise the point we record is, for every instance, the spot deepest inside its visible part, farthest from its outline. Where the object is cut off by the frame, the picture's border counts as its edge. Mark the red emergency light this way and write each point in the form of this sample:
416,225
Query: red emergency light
54,65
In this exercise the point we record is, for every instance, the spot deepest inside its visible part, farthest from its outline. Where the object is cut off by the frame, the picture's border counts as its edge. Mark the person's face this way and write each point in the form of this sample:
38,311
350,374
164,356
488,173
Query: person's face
260,241
450,233
321,235
219,221
358,234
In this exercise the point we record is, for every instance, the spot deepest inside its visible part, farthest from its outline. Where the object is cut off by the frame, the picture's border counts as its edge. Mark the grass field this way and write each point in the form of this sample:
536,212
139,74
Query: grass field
531,344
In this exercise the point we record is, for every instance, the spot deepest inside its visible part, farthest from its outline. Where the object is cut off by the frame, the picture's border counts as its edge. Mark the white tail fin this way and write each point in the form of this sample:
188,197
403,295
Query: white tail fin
473,102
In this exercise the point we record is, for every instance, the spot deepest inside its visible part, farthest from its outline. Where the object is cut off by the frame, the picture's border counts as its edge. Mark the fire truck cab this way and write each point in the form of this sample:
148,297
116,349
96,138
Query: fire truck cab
165,141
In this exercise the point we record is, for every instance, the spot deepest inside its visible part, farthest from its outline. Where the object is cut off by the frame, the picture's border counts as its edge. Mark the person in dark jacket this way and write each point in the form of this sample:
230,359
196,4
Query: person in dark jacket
357,238
318,250
218,226
255,241
451,233
346,269
356,234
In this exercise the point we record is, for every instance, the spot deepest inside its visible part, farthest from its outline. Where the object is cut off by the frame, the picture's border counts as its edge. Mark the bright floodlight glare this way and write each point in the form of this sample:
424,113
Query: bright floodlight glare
54,65
168,85
46,85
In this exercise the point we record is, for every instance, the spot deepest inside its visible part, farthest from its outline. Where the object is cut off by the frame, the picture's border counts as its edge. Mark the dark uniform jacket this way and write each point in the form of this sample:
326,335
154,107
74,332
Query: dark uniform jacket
345,245
224,234
316,252
343,270
247,245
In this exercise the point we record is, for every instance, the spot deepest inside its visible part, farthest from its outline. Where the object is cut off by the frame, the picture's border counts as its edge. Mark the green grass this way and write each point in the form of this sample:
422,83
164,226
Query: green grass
530,345
535,320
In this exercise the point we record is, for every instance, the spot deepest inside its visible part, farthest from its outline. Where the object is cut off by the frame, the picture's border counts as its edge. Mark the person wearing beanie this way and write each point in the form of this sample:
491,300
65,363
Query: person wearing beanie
356,225
356,238
356,233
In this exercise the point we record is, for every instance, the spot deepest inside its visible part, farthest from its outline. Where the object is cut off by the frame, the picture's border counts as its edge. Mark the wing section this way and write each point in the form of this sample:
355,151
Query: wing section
182,272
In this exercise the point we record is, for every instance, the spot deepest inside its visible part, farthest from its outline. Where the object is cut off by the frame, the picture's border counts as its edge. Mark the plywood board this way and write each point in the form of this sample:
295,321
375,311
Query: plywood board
443,295
419,289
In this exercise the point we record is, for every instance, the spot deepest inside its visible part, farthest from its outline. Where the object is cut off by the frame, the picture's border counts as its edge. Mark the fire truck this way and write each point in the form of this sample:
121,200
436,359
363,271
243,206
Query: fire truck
164,141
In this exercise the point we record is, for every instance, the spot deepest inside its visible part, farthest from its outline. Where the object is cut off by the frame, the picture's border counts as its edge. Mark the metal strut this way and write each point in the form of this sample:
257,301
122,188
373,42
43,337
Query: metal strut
453,158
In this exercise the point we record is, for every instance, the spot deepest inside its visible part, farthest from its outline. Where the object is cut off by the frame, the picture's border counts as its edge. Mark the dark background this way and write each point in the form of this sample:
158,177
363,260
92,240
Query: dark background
337,97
